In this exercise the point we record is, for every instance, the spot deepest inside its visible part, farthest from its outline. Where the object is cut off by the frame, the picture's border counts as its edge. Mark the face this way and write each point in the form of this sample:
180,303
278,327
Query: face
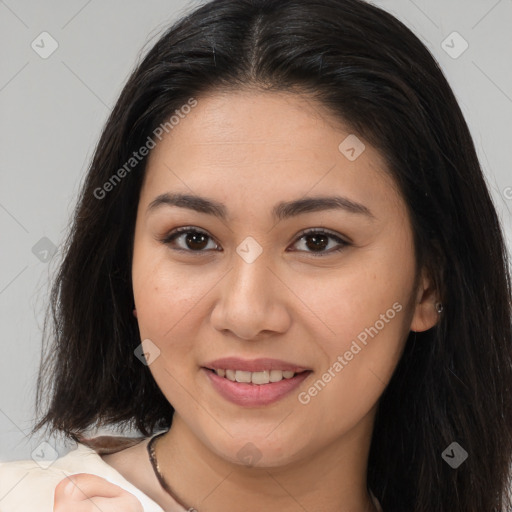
323,287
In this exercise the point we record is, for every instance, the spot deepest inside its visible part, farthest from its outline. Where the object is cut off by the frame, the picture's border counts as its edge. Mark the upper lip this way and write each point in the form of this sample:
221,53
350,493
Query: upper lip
253,365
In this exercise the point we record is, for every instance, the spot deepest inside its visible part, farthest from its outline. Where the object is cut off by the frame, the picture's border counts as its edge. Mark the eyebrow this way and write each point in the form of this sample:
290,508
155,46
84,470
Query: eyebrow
281,211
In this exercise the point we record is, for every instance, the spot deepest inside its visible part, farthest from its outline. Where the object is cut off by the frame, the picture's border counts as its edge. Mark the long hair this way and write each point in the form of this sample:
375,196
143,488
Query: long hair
453,382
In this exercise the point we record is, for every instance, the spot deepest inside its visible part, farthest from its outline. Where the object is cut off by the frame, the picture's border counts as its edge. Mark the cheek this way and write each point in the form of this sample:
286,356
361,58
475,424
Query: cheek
364,316
354,297
167,296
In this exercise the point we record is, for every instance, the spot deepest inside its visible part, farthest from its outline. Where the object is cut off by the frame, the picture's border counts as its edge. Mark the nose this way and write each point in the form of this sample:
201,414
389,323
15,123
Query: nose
251,301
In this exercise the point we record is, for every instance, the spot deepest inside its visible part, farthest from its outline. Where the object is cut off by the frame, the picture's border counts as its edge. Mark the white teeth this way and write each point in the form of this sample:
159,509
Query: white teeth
260,377
276,375
242,376
263,377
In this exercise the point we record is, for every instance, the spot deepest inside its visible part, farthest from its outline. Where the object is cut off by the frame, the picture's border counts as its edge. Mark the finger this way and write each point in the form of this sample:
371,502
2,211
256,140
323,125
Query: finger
83,486
127,503
91,493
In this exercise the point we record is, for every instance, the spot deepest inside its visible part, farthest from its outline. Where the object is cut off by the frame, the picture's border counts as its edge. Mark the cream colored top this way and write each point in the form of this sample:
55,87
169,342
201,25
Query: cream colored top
27,485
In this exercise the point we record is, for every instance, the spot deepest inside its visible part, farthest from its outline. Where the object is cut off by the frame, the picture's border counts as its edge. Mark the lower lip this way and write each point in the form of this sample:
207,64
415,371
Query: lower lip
254,395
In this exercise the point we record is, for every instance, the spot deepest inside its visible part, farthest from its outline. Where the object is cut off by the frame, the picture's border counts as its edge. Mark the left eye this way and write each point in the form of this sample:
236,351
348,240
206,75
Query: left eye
318,239
196,240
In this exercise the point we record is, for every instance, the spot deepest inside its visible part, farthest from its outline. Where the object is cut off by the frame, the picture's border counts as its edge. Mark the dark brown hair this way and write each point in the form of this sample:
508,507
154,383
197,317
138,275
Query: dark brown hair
453,382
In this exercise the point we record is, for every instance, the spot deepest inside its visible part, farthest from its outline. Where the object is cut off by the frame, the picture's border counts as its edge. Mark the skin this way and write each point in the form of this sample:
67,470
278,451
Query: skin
250,150
84,492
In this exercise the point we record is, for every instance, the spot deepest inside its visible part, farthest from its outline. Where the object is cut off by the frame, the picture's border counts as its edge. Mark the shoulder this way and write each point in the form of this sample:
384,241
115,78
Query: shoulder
29,485
26,483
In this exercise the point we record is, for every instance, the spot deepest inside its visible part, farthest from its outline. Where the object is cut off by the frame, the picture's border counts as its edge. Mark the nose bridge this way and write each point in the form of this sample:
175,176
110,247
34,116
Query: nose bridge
249,301
250,272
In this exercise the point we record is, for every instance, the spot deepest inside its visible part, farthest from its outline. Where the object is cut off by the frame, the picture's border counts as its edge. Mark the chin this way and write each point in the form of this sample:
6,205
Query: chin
258,452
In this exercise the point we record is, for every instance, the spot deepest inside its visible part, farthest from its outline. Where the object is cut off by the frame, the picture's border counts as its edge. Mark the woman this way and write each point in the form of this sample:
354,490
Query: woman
286,272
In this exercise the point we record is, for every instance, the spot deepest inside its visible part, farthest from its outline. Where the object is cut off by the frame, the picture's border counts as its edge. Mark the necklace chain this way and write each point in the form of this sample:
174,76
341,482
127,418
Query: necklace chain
161,479
158,473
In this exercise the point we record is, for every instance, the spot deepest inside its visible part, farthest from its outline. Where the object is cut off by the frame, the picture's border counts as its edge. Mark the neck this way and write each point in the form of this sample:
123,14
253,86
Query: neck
331,480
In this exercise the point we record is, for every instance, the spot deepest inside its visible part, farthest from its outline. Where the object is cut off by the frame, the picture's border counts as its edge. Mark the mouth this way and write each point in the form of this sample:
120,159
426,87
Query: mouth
256,378
254,383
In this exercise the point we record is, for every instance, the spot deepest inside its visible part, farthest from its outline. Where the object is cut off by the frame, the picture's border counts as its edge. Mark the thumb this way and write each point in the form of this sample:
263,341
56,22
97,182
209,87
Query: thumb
85,492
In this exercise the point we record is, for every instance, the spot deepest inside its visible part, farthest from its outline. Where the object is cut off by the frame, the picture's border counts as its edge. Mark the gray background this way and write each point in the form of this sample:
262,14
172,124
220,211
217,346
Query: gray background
52,111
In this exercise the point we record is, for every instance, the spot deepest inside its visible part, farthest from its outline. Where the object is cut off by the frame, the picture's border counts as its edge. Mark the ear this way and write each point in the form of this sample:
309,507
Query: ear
425,314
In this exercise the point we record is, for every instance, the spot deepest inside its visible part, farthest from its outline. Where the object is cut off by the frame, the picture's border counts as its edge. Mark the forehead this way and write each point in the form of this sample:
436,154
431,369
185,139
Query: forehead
270,144
269,123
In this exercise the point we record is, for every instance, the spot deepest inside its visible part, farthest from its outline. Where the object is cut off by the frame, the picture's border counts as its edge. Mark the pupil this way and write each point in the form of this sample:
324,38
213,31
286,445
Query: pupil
319,241
194,238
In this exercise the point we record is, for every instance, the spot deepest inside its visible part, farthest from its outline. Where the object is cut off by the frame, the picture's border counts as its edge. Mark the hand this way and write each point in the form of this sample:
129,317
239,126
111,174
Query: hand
90,493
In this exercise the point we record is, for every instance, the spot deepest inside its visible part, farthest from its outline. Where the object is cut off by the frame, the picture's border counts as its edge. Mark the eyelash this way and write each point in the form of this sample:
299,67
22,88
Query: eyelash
169,238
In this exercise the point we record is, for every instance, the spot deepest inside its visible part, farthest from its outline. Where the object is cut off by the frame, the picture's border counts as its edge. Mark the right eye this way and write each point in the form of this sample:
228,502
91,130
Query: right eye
188,239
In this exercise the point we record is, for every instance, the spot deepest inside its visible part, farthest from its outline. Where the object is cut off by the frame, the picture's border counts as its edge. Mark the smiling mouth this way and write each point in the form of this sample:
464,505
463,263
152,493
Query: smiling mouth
257,378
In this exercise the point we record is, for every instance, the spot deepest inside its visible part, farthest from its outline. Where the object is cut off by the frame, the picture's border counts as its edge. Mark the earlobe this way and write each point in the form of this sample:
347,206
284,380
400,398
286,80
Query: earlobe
427,306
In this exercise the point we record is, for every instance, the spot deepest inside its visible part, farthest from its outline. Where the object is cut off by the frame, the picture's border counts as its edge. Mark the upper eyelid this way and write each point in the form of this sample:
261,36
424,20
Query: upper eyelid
321,230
